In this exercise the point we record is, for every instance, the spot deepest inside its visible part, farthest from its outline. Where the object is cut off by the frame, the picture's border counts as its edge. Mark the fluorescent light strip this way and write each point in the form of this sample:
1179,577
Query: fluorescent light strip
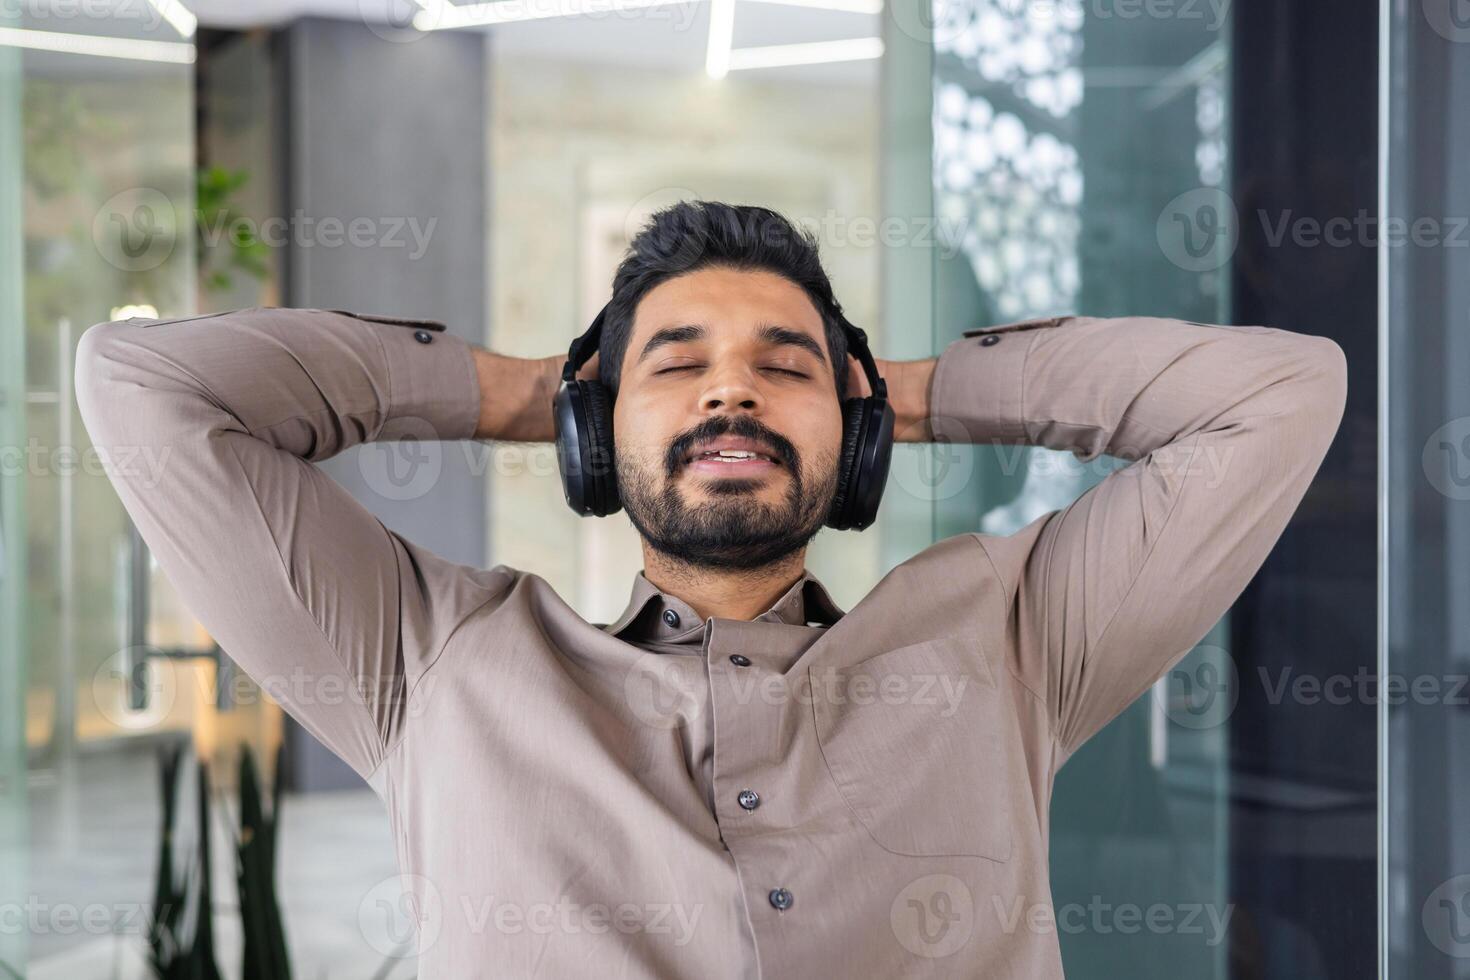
446,15
816,53
434,12
177,15
847,6
441,14
177,52
721,37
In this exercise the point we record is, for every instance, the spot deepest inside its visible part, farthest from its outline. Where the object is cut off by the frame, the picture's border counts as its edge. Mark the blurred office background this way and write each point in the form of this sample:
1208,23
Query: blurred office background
964,163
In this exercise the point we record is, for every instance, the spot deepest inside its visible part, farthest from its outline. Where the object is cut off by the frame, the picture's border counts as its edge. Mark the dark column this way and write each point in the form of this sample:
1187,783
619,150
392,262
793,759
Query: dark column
1303,815
392,134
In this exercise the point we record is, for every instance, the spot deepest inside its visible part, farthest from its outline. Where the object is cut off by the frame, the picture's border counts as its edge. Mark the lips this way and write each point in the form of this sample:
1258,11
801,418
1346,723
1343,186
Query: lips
732,451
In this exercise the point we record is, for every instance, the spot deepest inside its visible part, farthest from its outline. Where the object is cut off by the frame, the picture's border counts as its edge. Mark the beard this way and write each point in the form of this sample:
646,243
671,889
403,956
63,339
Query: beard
732,530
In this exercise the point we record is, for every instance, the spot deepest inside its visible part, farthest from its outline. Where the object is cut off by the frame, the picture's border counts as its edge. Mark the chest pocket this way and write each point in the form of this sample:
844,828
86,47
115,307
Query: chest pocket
914,741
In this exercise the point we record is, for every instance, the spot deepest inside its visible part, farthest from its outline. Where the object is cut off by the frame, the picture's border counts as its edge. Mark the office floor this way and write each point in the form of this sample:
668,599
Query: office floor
94,833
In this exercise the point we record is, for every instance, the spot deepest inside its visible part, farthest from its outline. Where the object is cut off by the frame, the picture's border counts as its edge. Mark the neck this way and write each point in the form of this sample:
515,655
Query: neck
723,593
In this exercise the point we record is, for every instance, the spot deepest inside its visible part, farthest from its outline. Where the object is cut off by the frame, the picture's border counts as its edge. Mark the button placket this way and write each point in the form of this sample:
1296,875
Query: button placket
752,729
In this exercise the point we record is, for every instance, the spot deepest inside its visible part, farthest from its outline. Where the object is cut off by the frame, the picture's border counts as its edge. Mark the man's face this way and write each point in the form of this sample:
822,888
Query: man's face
720,358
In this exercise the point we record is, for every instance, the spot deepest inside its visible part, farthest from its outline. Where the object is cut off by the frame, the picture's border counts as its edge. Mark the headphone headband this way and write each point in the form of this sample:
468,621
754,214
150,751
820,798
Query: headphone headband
587,344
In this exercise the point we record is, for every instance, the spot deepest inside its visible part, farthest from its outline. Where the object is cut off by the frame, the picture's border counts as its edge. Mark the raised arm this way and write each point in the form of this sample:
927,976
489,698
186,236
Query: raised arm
334,615
1226,427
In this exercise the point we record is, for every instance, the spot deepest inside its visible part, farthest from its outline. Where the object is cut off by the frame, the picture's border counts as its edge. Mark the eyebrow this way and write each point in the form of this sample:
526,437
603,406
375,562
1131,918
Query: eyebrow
769,333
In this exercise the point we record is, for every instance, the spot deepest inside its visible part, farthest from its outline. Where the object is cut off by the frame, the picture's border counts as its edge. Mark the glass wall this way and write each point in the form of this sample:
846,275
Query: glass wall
13,876
1425,442
97,185
1067,140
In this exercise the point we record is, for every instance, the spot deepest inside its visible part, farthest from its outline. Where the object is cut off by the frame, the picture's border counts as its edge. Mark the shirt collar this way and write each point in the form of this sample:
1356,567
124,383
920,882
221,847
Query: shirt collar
644,617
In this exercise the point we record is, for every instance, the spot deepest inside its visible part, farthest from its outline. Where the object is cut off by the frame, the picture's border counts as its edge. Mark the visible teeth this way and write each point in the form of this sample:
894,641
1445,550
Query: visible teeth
731,456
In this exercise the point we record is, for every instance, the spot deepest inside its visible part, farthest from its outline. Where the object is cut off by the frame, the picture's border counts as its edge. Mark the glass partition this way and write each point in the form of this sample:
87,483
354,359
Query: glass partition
1065,136
13,873
97,184
1424,660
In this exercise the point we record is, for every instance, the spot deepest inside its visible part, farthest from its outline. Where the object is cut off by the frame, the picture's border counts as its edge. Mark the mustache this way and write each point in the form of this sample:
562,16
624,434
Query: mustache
742,426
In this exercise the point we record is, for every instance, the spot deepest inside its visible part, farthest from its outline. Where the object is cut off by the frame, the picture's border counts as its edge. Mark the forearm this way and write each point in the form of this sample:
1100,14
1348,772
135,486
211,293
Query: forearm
516,396
1123,386
910,390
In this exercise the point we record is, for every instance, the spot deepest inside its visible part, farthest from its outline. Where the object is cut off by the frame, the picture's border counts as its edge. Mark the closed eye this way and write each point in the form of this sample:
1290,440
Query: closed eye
687,367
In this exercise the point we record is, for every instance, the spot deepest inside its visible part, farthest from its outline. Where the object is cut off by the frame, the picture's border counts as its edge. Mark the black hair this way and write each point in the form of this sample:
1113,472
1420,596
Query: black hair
693,235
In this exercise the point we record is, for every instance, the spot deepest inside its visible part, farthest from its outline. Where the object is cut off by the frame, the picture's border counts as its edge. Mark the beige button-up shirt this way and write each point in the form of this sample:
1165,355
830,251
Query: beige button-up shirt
809,794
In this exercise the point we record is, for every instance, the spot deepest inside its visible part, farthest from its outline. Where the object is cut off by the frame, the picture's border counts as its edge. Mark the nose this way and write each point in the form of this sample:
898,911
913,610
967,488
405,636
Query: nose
731,389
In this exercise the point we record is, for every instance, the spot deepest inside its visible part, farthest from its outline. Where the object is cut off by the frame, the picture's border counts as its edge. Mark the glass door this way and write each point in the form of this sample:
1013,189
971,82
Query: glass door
1067,139
1424,441
13,876
97,222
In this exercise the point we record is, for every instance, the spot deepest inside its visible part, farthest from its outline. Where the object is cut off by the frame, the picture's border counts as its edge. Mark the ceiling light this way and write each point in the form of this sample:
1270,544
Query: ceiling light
721,36
177,15
815,53
850,6
177,52
439,15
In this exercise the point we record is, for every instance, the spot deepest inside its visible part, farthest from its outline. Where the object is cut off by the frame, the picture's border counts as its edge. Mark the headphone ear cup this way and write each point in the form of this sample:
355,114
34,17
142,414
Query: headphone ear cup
603,477
854,416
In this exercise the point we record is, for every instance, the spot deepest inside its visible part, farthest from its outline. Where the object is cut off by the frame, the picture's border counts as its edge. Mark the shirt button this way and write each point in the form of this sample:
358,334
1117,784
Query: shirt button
749,799
781,898
739,660
671,617
989,340
423,336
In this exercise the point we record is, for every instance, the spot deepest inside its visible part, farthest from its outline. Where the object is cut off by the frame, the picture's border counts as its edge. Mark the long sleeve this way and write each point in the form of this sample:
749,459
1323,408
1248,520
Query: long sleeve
1225,428
332,614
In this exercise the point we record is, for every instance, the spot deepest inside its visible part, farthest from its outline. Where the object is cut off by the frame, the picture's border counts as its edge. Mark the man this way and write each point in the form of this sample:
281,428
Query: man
736,778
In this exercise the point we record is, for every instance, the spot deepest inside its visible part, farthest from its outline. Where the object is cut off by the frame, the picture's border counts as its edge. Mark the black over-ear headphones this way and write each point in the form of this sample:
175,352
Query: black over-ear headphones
584,438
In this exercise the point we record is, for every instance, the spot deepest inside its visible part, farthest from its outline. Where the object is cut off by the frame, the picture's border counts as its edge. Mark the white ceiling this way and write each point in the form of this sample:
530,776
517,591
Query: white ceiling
672,37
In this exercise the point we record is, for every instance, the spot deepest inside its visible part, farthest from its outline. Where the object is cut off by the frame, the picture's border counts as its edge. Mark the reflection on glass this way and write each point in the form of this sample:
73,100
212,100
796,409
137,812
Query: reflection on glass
1058,133
14,876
